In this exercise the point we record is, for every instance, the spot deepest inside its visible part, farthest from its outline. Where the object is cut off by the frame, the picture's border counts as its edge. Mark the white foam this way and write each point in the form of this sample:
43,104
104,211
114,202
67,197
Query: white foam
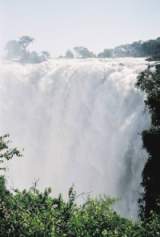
79,121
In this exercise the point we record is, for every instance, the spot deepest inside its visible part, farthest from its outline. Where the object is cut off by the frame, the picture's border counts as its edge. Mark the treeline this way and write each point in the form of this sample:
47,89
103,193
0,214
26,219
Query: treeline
18,50
150,48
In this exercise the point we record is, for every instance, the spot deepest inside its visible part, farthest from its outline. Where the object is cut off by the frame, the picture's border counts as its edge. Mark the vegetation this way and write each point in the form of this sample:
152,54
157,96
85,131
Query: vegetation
17,50
149,82
38,214
150,48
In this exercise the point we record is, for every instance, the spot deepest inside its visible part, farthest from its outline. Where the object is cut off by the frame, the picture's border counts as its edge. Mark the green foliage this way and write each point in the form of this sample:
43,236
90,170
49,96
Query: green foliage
97,218
149,82
7,153
31,213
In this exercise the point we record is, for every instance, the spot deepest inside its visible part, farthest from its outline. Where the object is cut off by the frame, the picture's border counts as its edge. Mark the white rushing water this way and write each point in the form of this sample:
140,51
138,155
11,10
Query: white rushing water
79,122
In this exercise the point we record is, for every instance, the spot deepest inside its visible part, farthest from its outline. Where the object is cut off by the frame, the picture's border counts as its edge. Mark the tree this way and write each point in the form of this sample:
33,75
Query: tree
7,153
83,52
69,54
27,213
45,55
149,82
17,50
25,41
107,53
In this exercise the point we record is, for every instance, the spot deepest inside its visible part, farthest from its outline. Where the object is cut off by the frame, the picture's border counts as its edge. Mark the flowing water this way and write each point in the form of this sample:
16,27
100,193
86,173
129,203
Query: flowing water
79,122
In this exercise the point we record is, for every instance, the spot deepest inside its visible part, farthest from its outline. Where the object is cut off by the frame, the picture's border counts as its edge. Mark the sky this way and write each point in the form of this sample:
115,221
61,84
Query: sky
58,25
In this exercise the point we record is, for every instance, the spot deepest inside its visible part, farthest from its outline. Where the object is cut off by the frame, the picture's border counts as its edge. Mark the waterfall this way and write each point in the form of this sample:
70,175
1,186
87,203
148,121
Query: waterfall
79,122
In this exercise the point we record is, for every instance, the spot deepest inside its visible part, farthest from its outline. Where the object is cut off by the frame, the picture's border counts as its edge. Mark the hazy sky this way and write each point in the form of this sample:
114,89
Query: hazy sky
61,24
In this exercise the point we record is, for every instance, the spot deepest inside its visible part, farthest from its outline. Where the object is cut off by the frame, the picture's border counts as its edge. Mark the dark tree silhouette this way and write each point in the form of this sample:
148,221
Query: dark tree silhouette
149,82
